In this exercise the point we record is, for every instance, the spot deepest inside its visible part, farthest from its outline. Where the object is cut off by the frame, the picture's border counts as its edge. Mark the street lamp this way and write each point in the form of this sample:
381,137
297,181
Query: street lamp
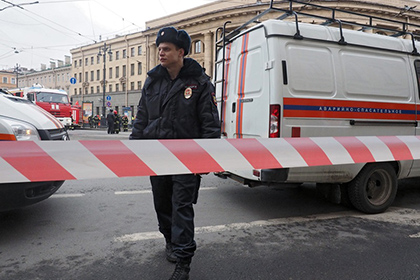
17,70
103,51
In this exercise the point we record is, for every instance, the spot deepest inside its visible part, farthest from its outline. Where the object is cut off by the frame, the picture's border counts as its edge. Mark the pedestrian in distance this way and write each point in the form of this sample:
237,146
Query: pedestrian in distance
90,119
177,102
95,121
117,122
110,119
125,123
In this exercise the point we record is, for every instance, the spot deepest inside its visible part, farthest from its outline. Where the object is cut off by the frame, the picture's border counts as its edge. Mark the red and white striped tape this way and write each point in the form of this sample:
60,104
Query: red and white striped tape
32,161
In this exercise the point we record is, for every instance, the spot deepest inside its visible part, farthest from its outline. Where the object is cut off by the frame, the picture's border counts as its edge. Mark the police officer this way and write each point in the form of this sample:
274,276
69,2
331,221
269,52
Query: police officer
177,102
110,119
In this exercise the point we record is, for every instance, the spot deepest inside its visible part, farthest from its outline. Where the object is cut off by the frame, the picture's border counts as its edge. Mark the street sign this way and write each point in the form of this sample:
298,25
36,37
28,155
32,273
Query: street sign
73,80
108,98
108,104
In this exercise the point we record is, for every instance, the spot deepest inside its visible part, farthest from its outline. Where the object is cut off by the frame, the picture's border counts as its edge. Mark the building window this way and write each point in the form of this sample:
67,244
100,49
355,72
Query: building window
86,90
98,75
110,88
91,60
80,62
139,50
132,69
132,52
98,59
75,91
132,86
80,91
13,80
80,77
198,45
91,89
124,87
110,73
4,80
117,72
117,55
86,76
98,89
75,63
139,68
139,85
117,87
86,61
124,70
91,76
124,53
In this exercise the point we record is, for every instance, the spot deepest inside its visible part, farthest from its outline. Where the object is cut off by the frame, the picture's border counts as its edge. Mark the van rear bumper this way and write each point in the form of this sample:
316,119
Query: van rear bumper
264,176
18,195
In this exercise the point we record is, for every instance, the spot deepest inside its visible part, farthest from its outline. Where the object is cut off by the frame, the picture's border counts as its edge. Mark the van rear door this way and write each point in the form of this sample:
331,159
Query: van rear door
246,108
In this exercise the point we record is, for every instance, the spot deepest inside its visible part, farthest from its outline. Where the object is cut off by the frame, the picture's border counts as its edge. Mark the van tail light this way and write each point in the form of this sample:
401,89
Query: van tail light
274,121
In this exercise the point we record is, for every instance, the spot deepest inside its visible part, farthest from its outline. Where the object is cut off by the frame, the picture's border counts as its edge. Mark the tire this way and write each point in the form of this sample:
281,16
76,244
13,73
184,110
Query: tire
374,189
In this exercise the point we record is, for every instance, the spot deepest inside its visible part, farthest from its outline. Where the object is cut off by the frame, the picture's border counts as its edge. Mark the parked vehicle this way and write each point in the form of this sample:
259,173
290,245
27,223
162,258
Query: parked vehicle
21,120
76,116
54,101
291,79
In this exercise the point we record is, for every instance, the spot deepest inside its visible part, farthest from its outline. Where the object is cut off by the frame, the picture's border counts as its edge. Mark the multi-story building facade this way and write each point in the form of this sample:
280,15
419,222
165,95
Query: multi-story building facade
7,79
56,77
128,58
123,63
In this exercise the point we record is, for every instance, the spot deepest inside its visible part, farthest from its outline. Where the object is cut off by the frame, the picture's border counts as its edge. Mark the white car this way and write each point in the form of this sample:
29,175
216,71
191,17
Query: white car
21,120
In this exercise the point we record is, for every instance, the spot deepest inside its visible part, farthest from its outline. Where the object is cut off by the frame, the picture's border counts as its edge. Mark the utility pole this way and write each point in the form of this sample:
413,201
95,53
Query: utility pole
103,51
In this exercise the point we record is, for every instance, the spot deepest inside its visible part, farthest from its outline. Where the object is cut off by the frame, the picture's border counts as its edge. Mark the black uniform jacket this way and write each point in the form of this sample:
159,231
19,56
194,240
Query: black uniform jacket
179,109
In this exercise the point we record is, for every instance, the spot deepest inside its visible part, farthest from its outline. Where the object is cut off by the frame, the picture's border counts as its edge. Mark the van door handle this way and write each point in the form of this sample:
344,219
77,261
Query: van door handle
233,107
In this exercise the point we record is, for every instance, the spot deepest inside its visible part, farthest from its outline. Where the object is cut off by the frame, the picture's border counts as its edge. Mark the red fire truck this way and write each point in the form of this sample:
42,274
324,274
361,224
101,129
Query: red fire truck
54,101
76,116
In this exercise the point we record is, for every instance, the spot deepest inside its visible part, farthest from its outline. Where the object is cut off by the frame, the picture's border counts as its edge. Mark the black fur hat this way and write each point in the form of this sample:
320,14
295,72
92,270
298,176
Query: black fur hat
179,38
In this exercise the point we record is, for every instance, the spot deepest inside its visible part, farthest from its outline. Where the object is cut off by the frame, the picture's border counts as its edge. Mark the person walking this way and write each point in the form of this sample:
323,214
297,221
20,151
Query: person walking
177,102
110,119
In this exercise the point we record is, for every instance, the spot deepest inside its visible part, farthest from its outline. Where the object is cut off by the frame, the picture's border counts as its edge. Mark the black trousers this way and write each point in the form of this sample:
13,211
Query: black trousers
173,197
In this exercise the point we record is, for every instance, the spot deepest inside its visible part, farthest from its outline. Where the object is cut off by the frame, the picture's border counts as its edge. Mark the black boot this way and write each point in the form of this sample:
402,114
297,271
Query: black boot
182,270
170,255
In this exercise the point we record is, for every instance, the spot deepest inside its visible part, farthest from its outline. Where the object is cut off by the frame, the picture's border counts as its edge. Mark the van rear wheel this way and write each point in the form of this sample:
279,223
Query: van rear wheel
374,189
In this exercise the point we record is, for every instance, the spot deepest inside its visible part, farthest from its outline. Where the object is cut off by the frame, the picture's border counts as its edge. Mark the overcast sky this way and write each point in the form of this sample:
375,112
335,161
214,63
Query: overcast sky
34,33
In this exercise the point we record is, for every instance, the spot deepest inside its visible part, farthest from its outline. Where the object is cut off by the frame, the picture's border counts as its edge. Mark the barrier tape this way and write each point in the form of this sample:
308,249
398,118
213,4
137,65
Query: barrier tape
32,161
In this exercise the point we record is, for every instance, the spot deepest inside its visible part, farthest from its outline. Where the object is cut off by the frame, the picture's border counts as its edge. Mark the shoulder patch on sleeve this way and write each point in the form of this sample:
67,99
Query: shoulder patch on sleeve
214,98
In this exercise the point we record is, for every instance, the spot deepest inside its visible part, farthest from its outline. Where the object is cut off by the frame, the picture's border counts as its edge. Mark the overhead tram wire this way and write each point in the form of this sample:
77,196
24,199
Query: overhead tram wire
12,5
62,26
112,11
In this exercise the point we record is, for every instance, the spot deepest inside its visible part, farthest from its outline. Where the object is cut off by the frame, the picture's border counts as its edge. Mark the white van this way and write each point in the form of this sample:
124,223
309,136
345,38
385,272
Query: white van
291,79
22,120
